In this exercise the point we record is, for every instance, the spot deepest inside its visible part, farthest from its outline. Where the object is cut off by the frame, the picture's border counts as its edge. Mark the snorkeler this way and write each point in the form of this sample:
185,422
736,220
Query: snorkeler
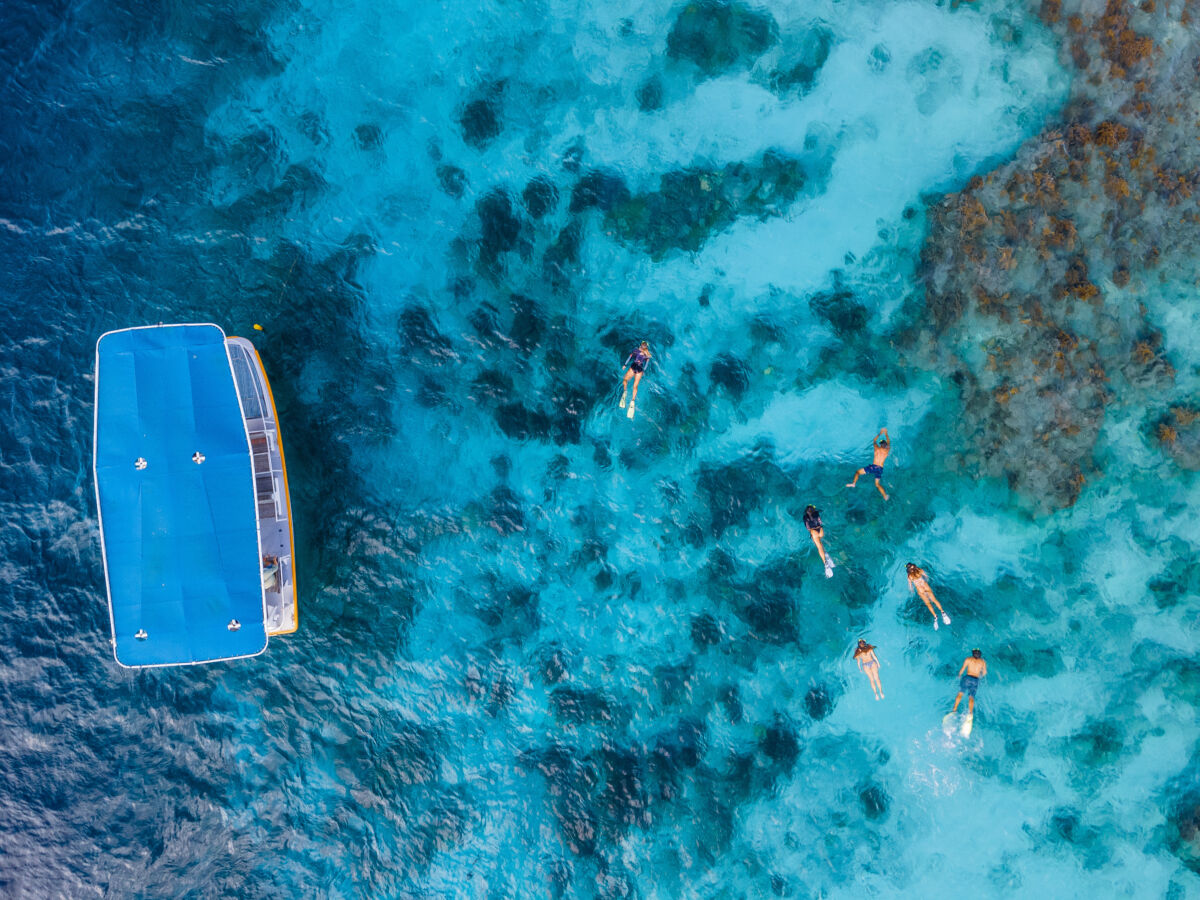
864,654
916,579
637,365
875,469
975,667
816,530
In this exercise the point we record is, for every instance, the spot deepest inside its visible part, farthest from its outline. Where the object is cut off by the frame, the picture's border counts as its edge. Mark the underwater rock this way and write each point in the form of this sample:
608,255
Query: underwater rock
718,35
1099,743
553,663
480,121
491,386
649,94
626,332
504,512
692,204
579,706
521,423
731,701
500,227
600,189
674,682
1065,826
845,315
623,799
407,755
1183,820
571,782
706,631
562,256
514,610
431,392
1028,659
818,702
803,62
528,323
780,743
731,373
1178,433
682,747
420,336
880,58
539,197
453,180
1180,580
731,490
368,136
874,801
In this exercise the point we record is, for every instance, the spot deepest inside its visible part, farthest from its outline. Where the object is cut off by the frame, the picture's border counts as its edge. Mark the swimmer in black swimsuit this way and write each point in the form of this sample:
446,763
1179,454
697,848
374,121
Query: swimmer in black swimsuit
637,365
816,530
882,448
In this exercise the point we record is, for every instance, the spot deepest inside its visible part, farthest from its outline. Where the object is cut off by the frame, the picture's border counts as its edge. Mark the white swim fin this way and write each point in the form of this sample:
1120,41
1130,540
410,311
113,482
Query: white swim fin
622,403
629,414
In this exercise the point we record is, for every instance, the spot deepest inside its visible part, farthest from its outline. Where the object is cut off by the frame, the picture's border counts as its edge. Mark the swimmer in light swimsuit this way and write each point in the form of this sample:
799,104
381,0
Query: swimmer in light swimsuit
637,365
975,667
864,654
882,448
916,580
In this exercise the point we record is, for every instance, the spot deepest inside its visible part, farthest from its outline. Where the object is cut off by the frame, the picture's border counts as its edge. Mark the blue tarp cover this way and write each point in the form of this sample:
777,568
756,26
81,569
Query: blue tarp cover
180,538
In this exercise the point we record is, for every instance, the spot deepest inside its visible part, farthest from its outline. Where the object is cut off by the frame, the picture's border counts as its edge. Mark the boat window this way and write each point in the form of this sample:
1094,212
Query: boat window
247,386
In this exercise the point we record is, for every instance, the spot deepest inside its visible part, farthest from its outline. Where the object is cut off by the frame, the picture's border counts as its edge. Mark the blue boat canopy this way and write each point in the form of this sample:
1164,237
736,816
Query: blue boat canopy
176,496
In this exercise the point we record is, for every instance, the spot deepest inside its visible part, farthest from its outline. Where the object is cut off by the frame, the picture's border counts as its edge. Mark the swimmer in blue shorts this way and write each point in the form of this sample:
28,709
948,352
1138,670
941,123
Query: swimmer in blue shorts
975,668
882,448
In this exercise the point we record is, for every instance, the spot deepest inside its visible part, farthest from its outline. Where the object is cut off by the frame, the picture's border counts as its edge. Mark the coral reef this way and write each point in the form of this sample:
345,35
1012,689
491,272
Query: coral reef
691,204
1032,272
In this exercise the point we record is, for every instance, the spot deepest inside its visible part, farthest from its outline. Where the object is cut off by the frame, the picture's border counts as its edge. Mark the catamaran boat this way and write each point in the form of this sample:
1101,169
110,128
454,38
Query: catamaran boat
192,496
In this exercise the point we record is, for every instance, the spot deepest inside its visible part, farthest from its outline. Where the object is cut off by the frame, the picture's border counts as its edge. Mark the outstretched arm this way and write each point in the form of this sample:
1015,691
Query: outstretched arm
983,674
963,669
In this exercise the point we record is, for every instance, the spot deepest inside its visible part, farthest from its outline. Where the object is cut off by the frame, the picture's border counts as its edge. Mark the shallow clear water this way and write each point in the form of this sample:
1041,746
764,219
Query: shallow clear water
545,650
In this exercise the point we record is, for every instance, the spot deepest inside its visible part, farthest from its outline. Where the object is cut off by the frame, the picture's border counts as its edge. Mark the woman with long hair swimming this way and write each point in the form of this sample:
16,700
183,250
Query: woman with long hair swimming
864,655
637,365
917,581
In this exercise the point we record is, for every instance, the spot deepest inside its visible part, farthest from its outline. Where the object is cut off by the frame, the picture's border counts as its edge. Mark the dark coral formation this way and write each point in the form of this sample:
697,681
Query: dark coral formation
692,204
1029,271
1177,431
719,36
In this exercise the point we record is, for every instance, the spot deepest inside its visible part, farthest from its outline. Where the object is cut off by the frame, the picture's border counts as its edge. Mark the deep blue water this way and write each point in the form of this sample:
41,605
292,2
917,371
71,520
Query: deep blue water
545,650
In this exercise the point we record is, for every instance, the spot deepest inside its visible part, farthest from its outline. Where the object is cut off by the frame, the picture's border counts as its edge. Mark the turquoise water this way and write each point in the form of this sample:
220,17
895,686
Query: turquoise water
544,649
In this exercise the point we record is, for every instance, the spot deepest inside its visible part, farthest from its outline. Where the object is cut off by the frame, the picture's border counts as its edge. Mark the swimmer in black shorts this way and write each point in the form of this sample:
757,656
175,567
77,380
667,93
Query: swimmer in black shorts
882,448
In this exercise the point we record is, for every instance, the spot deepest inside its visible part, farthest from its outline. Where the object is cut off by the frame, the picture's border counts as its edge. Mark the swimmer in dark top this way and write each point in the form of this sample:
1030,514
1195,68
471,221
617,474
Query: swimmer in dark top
882,448
816,530
637,365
